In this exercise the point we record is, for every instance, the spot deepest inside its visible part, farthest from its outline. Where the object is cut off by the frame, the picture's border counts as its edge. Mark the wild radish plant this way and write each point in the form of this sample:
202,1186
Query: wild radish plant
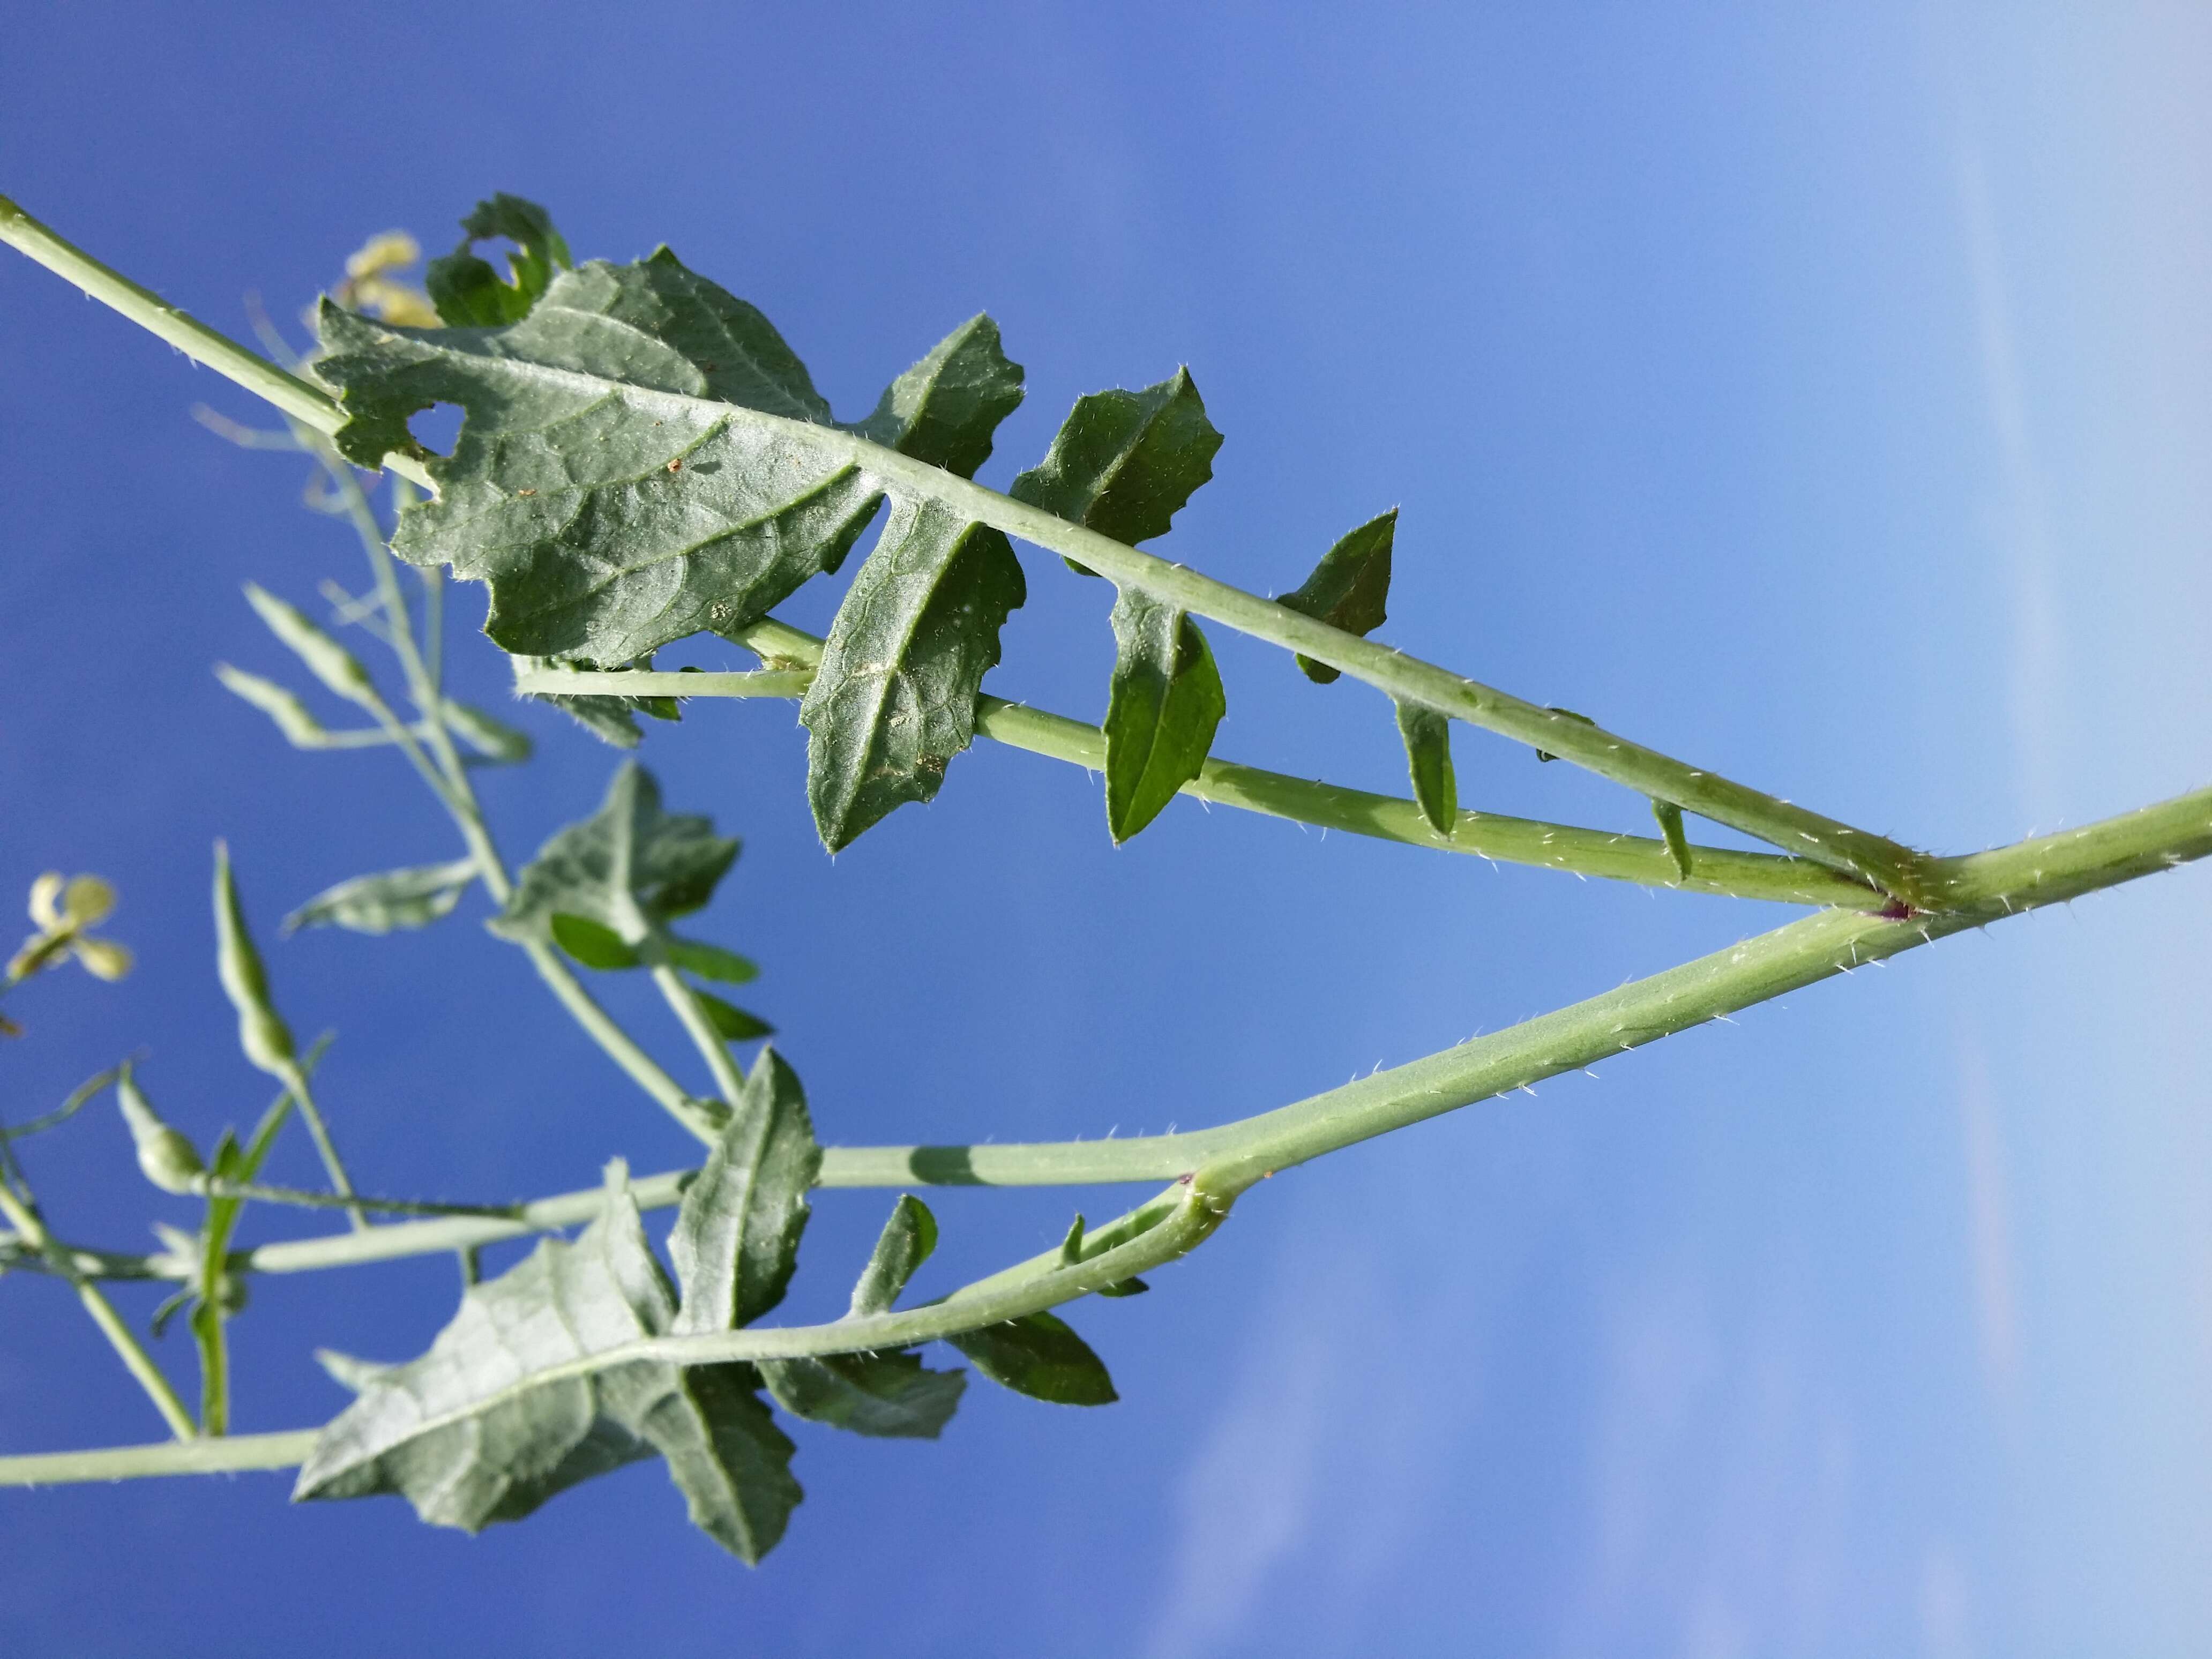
641,459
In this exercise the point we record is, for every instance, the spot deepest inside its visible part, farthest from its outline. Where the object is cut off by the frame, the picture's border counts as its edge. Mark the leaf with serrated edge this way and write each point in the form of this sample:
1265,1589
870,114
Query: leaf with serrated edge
945,409
891,1395
465,1436
414,897
895,697
736,1239
601,484
1165,702
1123,463
1427,735
628,867
1349,587
1040,1356
466,289
909,1236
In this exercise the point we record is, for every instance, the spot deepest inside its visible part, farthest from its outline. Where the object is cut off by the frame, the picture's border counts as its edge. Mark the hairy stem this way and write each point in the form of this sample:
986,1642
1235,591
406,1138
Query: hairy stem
1896,869
1325,806
701,1030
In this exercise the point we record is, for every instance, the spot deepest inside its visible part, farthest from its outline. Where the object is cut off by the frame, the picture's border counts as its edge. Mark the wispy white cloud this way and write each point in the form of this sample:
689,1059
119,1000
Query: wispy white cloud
2020,518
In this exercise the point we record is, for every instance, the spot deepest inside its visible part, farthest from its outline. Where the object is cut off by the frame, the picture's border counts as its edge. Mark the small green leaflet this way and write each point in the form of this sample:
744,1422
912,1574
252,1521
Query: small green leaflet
895,697
396,898
1348,587
467,1437
613,482
945,409
890,1395
337,668
1039,1356
731,1022
611,720
1165,702
282,706
1123,463
909,1237
736,1240
591,943
709,961
1428,757
629,868
1670,826
467,290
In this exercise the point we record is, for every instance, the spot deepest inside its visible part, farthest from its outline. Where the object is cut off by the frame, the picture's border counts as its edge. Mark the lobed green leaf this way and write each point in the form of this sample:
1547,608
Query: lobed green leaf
1349,587
466,289
894,699
1123,463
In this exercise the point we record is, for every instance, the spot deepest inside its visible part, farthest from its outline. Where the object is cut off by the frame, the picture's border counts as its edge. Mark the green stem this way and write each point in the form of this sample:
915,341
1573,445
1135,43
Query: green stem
1988,886
308,404
701,1030
32,1230
1893,867
1325,806
320,1132
294,1195
232,1454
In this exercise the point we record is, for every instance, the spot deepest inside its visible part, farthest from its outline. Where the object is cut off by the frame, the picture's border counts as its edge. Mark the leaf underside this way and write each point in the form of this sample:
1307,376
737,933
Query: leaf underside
395,898
1427,735
736,1240
1123,463
889,1396
1165,701
894,699
1349,587
628,867
465,1435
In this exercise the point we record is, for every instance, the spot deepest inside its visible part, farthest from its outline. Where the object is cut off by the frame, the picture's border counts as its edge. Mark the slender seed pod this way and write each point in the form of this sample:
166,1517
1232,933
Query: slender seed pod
166,1157
261,1033
330,662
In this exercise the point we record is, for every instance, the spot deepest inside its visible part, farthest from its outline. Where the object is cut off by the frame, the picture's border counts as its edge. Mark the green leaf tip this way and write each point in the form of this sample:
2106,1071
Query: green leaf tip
467,1436
736,1239
889,1396
1678,841
731,1022
1164,703
944,409
1349,588
1039,1355
894,699
1124,463
469,293
628,868
908,1240
1427,737
263,1035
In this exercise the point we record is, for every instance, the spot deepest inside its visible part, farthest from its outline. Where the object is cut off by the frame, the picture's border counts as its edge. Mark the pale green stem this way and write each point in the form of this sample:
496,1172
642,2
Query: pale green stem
136,1360
294,1195
233,1454
459,795
1894,868
319,1131
704,1037
1325,806
1990,886
305,403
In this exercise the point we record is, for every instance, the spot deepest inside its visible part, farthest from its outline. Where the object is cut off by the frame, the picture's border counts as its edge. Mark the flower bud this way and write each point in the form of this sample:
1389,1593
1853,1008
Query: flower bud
166,1157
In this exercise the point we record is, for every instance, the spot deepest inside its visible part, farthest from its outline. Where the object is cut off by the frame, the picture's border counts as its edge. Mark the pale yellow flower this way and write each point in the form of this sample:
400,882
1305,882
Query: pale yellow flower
370,285
63,910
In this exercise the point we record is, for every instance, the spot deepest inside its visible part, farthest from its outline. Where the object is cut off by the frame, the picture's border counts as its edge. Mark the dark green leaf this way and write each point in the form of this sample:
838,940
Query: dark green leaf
469,1438
732,1024
1570,715
1165,702
493,739
889,1395
396,898
736,1239
1039,1356
629,868
467,291
1124,1287
895,697
709,961
1349,586
906,1242
591,943
1428,757
945,409
1124,462
1670,826
605,483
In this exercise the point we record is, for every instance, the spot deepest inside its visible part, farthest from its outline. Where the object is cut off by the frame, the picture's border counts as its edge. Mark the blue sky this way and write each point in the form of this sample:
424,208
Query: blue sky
1818,395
